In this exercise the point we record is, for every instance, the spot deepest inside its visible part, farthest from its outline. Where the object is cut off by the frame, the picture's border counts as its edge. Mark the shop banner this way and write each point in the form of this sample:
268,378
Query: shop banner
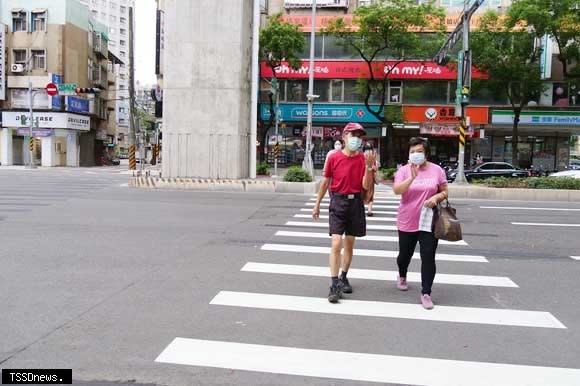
322,113
444,114
359,69
35,132
77,105
442,130
537,118
45,120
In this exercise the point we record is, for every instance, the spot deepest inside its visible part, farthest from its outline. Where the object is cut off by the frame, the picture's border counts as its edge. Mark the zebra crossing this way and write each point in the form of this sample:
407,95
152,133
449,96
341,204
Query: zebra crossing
306,238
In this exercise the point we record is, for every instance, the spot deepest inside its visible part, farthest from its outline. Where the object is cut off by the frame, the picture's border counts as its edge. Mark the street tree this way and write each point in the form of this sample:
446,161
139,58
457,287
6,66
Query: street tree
394,30
279,42
511,59
560,19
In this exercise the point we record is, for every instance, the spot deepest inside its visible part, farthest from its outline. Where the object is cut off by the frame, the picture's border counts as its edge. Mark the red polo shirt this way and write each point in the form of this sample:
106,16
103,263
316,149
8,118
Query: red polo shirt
346,172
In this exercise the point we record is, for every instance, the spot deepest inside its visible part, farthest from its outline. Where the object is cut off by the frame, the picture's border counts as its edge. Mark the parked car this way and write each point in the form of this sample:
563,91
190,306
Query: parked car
567,173
488,170
574,164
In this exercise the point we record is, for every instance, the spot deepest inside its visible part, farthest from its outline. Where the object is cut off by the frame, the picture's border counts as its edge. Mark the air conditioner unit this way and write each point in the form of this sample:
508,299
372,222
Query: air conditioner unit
17,68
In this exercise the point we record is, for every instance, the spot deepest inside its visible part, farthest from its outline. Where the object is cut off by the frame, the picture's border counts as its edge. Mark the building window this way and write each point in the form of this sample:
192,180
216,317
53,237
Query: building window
18,21
122,54
38,59
395,91
90,70
19,57
95,13
123,31
39,21
123,20
123,9
122,43
426,92
113,5
337,90
112,43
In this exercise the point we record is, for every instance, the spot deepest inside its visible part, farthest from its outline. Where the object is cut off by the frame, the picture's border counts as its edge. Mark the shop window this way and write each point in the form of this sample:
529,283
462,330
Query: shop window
321,88
351,92
337,90
395,87
334,50
296,90
318,47
425,92
19,57
39,21
38,59
18,21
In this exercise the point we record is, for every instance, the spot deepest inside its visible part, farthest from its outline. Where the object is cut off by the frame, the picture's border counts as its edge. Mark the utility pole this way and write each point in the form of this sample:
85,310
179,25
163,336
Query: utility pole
132,132
463,77
276,88
31,119
307,163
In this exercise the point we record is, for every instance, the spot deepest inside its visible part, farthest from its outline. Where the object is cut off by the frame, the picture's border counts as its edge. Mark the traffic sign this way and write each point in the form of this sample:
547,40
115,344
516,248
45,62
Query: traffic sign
67,87
51,89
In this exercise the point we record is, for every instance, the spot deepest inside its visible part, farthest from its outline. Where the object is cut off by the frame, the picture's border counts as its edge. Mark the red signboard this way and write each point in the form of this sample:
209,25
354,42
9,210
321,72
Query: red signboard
443,130
51,89
444,114
324,69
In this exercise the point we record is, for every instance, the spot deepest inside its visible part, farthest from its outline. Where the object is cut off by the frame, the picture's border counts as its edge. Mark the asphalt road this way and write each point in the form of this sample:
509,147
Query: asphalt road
196,288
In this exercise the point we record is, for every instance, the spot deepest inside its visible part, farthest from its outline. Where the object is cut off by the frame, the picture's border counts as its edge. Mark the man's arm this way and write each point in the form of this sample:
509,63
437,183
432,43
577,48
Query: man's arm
369,177
321,193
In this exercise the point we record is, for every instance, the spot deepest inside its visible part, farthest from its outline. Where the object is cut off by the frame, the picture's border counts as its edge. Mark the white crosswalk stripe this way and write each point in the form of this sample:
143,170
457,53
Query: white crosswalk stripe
369,274
309,210
325,225
378,206
360,366
388,309
385,219
368,252
392,239
379,201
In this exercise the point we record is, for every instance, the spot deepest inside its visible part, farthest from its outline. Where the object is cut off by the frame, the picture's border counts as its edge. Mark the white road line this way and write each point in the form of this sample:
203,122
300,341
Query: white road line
369,274
325,225
379,201
374,211
125,185
525,208
362,367
575,257
545,224
496,316
369,252
385,219
378,206
391,239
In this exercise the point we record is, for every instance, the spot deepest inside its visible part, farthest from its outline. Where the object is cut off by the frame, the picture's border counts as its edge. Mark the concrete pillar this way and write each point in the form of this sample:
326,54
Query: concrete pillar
6,156
72,149
207,85
48,151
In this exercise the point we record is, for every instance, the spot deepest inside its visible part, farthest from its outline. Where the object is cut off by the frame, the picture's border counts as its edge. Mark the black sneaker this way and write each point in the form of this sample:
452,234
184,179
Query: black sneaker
346,287
335,293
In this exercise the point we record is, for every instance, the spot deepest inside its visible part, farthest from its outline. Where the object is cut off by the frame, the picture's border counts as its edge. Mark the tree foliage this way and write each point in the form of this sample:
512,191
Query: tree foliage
393,30
279,41
559,19
511,59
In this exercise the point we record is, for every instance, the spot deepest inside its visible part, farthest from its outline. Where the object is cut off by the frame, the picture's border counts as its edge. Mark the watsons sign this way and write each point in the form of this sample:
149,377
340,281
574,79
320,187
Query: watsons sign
322,113
44,120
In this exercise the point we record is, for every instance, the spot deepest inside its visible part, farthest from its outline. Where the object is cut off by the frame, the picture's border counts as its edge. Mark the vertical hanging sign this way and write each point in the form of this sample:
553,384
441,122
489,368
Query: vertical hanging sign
2,63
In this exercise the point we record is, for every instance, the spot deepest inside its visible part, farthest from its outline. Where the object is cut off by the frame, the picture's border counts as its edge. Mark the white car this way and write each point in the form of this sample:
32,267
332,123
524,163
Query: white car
567,173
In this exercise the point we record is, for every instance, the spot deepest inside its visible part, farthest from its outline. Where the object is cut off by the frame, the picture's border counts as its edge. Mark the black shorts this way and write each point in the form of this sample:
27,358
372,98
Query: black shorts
347,215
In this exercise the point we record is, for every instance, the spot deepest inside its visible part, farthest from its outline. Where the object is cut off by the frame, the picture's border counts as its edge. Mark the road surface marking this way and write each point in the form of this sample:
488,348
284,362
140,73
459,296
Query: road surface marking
386,219
325,225
575,257
369,274
388,201
378,206
369,252
545,224
392,239
374,211
496,316
525,208
362,367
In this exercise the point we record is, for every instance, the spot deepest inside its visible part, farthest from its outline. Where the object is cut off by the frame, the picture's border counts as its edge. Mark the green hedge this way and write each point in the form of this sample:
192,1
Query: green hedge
297,174
388,173
262,169
534,183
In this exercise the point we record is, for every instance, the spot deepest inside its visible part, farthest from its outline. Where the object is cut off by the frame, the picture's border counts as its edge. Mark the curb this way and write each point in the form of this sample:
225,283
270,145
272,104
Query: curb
205,184
511,194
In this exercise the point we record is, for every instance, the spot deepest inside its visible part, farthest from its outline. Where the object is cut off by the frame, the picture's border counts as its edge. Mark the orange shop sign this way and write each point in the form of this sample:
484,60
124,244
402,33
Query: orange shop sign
444,114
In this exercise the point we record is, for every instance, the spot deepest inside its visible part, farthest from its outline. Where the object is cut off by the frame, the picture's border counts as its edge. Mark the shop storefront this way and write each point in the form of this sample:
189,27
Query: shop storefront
56,138
544,138
328,122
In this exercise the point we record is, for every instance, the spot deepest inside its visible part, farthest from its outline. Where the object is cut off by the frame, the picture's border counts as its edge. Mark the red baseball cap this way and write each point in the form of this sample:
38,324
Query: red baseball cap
353,126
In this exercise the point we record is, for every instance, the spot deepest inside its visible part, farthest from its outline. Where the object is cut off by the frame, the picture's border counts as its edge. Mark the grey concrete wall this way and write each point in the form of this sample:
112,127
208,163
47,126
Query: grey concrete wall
207,72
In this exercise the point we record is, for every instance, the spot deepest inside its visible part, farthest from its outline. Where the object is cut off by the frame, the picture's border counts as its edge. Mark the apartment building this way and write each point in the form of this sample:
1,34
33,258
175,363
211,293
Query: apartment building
425,93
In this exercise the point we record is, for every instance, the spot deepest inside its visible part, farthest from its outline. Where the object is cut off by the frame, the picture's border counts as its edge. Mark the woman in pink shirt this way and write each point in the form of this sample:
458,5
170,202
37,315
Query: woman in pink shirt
422,184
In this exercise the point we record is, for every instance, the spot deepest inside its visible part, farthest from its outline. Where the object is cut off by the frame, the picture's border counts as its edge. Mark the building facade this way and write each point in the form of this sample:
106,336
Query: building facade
423,91
51,42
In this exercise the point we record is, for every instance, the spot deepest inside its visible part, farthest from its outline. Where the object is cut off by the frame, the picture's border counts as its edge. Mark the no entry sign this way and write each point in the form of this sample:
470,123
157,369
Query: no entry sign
51,89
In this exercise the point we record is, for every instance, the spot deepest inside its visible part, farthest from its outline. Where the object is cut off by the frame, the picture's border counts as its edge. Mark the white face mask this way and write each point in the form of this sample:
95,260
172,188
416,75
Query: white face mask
417,158
354,143
338,146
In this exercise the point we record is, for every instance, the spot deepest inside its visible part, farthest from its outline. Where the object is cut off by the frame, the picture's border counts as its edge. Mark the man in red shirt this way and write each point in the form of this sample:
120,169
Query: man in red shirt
350,171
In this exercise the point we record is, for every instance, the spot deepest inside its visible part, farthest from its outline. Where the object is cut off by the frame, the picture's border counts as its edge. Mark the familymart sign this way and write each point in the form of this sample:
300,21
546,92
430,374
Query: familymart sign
537,118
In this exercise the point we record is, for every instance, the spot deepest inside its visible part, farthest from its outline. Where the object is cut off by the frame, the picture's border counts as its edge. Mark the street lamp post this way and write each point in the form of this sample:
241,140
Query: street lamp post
307,163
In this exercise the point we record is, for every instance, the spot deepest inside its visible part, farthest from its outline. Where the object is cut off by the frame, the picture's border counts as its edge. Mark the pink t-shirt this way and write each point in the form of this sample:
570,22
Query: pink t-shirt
425,186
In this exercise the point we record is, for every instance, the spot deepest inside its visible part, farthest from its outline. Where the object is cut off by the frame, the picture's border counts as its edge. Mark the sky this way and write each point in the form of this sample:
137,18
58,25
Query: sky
145,19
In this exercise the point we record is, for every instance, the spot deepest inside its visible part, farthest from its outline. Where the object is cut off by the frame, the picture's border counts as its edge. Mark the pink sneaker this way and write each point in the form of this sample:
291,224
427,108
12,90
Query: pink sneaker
427,302
402,283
